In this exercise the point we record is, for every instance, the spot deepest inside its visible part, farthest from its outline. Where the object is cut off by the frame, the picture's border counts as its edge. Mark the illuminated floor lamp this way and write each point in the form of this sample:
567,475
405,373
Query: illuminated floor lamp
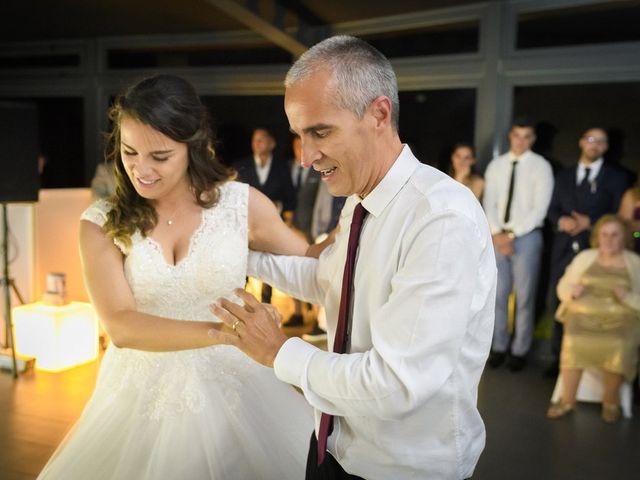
59,337
58,334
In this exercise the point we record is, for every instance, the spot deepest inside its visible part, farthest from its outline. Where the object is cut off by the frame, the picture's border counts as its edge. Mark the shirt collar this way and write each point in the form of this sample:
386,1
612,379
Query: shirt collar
256,159
399,173
594,167
520,158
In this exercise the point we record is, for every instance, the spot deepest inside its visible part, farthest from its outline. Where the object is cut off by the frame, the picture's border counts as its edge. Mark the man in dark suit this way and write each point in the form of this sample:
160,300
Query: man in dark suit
271,176
582,194
305,182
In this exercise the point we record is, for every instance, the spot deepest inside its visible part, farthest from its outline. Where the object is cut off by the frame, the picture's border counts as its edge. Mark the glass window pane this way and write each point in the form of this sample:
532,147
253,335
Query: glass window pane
39,61
61,134
566,111
197,56
432,121
441,40
235,117
592,24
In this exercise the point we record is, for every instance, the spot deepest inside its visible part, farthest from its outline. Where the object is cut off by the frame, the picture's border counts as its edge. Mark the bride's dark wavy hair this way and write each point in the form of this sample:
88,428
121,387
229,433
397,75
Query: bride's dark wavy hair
170,105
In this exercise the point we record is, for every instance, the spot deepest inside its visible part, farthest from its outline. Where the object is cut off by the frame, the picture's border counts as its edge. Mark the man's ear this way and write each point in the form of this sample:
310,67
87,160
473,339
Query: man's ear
380,109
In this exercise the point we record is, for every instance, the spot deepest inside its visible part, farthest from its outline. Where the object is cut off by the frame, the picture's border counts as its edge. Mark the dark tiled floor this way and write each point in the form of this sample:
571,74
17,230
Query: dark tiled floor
523,444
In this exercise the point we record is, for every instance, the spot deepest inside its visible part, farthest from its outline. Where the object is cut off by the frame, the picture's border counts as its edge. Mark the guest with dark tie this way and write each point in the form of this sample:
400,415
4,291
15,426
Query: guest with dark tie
408,286
271,176
305,182
582,194
268,173
518,188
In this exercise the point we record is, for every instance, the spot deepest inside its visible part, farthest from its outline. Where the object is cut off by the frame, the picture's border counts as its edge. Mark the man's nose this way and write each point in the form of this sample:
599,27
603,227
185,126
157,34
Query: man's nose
309,154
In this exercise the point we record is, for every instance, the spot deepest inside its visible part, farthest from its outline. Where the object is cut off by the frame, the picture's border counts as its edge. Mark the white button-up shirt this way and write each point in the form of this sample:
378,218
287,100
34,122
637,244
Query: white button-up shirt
423,308
594,170
262,172
533,186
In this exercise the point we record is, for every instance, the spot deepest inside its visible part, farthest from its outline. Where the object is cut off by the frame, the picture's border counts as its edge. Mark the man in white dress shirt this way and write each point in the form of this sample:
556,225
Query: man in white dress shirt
518,187
404,394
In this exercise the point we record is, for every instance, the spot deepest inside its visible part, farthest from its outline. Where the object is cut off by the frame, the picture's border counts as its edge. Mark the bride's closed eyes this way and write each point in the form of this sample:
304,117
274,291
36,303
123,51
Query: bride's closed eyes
159,156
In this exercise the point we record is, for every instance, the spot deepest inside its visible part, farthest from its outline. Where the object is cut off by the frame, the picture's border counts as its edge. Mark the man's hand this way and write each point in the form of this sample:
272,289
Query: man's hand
256,326
583,222
503,243
568,225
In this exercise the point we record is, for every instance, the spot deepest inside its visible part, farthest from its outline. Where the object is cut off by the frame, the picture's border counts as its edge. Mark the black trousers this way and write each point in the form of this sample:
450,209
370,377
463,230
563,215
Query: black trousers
330,468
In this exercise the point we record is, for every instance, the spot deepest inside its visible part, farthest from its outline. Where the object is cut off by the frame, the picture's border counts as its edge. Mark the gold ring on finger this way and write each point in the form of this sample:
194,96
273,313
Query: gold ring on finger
235,325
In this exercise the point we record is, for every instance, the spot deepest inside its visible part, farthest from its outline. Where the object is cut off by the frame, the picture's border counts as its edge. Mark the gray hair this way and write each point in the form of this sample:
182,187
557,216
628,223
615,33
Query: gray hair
362,73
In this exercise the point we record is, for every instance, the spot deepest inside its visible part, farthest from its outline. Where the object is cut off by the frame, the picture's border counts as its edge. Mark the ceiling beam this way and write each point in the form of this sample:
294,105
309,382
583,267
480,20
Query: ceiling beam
255,22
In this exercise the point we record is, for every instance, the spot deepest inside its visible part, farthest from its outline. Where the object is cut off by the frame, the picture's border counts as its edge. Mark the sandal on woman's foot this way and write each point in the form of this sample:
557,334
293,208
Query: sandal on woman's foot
610,412
559,409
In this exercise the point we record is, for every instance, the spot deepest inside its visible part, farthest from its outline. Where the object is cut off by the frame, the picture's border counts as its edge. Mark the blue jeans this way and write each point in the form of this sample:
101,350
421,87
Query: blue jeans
519,272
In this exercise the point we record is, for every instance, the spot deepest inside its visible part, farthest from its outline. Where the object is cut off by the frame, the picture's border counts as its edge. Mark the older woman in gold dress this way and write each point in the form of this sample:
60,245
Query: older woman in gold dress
600,309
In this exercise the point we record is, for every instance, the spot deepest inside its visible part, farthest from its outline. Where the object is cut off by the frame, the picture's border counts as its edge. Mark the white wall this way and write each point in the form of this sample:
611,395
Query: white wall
44,238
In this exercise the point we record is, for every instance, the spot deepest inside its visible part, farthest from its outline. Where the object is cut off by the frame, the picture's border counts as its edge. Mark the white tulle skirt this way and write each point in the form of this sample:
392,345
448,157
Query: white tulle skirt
200,414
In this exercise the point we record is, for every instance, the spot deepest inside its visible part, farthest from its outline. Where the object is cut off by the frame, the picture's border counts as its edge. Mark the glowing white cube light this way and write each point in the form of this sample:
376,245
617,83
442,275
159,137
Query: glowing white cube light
59,337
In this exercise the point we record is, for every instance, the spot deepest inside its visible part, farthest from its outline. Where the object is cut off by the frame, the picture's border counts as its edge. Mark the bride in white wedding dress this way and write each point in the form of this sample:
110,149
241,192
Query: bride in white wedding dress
169,404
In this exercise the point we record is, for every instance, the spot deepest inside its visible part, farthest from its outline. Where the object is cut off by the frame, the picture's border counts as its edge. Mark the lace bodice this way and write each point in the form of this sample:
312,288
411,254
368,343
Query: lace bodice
215,264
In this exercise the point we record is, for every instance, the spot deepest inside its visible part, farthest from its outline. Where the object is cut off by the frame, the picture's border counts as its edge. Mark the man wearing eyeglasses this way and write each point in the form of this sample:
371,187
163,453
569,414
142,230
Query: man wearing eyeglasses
582,194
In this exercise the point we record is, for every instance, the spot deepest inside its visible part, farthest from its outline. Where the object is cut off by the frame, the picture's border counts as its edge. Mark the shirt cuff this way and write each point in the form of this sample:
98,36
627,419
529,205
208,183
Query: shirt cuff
292,360
252,263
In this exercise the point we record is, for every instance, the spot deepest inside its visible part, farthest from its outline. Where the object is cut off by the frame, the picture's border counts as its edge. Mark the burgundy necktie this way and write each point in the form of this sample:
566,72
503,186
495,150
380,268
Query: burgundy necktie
341,338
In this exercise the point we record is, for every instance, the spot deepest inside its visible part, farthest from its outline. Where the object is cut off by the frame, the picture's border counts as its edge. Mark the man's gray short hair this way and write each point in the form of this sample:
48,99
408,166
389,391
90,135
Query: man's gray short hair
362,73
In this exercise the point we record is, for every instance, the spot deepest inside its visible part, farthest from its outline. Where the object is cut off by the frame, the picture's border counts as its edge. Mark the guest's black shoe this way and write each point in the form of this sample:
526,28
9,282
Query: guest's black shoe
552,370
496,359
295,320
516,363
